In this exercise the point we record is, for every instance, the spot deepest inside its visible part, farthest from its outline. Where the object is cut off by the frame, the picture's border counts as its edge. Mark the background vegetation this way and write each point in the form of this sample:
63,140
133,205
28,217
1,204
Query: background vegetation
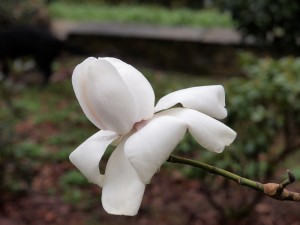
273,24
142,14
40,127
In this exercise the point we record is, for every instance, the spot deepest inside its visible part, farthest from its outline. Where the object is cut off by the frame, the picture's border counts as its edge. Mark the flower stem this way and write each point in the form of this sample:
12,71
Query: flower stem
215,170
276,191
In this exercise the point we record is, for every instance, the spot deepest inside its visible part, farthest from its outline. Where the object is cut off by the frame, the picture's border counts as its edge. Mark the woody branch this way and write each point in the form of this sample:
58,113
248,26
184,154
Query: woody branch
277,191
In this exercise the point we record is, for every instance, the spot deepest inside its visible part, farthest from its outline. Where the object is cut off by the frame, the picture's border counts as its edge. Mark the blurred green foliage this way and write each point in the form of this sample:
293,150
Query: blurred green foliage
274,23
265,107
72,184
24,12
31,131
166,3
264,110
142,14
73,177
18,164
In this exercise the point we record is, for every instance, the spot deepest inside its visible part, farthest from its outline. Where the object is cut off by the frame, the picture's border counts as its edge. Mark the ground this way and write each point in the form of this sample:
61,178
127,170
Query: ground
169,199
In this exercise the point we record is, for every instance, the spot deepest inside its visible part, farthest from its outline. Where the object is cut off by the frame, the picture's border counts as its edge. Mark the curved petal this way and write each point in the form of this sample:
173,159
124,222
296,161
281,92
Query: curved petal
139,86
77,82
88,155
122,189
150,147
104,96
209,100
208,132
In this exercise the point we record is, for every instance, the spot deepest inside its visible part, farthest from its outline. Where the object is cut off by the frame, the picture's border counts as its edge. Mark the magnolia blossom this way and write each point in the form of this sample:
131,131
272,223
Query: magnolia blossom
119,100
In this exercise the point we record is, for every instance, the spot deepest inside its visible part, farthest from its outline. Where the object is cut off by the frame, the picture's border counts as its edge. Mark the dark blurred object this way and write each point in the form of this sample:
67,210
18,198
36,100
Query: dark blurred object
273,23
6,19
41,45
24,12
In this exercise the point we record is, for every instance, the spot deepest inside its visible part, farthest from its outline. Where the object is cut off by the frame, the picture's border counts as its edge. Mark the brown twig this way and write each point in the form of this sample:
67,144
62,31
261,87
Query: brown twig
273,190
279,192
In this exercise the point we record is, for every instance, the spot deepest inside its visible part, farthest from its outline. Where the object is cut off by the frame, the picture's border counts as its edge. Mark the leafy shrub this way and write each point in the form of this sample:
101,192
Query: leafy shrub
73,178
72,184
264,109
17,163
24,12
166,3
273,23
140,14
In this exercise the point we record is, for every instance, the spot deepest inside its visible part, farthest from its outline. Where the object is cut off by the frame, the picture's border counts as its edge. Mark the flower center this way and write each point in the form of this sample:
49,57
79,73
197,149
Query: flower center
139,125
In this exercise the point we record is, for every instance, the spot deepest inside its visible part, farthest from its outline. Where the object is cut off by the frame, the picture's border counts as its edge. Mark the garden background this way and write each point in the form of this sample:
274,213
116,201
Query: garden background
257,64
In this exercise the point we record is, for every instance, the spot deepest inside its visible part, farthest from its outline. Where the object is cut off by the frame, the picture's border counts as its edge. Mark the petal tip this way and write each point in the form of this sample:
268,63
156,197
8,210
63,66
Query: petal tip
117,212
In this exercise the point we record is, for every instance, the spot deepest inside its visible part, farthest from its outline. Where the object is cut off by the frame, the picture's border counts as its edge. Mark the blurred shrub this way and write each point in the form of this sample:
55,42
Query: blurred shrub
140,14
274,23
24,12
264,109
17,167
72,178
73,184
166,3
18,162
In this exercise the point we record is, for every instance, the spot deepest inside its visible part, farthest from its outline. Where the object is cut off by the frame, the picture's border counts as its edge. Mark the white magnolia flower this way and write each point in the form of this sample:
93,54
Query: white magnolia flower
119,100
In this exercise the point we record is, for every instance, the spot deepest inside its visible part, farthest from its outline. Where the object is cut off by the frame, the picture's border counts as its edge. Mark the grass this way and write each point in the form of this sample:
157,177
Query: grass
140,14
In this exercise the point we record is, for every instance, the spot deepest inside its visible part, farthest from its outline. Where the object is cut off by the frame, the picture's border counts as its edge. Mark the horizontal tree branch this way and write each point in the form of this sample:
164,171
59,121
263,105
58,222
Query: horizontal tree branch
273,190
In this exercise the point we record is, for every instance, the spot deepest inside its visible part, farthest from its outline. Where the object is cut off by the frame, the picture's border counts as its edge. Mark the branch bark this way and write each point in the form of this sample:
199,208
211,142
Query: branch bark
273,190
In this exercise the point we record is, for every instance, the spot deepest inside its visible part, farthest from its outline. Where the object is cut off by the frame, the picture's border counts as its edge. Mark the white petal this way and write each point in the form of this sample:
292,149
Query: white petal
138,85
122,189
150,147
104,96
210,133
79,74
206,99
88,155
